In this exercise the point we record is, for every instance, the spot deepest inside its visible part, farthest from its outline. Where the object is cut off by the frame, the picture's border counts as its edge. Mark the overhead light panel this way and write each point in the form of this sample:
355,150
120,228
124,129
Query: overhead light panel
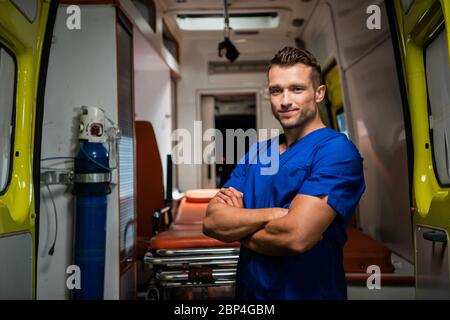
238,21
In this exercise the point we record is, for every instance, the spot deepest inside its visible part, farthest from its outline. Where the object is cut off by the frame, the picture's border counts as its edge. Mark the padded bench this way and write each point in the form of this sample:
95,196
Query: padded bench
361,251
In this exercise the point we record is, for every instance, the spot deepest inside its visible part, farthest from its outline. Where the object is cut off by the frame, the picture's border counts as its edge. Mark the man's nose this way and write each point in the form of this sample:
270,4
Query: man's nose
286,99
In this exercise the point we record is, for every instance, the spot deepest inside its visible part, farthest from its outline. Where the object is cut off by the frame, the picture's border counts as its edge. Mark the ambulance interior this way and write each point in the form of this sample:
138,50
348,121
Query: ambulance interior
176,79
154,69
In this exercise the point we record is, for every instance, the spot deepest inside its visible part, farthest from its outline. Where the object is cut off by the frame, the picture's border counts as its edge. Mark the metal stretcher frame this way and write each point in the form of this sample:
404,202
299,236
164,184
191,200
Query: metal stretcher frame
220,275
185,259
176,252
189,267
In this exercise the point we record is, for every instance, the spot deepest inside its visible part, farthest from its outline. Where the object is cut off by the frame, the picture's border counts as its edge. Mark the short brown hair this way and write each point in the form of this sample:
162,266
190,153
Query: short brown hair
289,56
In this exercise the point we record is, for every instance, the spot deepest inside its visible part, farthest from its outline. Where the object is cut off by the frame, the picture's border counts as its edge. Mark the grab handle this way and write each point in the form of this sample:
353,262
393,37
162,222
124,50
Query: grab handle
435,236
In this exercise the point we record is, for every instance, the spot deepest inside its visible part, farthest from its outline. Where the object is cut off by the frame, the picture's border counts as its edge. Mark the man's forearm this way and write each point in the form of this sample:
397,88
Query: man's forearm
273,240
266,243
228,223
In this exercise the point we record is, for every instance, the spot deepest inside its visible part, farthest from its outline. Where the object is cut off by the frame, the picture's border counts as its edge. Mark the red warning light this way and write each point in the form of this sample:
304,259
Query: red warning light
96,130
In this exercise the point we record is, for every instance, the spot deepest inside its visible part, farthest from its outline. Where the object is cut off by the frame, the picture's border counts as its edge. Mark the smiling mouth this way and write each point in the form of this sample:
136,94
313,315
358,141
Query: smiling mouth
288,112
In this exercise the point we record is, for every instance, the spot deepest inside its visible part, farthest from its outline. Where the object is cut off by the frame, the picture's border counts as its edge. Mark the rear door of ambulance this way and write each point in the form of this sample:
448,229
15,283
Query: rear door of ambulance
26,28
423,38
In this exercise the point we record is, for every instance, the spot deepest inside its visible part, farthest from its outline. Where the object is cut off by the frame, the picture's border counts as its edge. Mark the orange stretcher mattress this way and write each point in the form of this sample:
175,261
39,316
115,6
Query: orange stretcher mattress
192,209
184,239
190,213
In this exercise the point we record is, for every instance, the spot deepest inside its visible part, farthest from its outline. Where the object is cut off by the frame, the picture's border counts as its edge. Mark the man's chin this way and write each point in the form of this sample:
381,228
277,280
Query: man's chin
290,125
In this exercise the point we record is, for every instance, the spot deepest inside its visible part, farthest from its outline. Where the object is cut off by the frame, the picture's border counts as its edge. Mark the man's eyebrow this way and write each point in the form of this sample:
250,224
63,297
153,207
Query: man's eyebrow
300,85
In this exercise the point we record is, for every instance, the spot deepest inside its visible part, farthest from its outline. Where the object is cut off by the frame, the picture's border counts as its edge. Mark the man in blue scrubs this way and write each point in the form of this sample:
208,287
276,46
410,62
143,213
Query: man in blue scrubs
292,223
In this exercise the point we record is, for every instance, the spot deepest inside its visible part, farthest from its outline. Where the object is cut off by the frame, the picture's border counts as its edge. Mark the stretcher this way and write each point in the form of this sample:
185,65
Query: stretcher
182,256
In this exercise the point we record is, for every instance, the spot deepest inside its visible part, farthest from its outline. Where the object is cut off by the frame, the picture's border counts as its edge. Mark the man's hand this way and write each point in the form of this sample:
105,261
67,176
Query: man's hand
231,197
227,220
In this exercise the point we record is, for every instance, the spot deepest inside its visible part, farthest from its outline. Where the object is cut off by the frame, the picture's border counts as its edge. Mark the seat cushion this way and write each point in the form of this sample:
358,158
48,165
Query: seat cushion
361,251
183,239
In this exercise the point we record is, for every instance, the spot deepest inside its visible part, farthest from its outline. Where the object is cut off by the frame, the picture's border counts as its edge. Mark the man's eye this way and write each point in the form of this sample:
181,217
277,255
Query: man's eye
275,91
297,89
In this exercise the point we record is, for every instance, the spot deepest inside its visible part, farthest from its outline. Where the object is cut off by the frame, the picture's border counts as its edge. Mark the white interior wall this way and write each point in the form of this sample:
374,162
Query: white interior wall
153,94
195,55
379,125
72,83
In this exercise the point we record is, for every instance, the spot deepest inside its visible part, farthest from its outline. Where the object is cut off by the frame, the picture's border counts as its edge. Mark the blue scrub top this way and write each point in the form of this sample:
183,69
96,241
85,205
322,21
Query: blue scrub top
324,162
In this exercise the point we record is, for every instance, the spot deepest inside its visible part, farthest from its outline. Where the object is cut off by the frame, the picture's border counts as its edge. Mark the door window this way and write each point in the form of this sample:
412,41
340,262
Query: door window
438,83
7,94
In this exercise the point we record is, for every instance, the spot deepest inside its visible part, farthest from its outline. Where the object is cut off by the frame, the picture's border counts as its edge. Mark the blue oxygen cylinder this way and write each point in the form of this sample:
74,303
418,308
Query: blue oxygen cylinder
91,190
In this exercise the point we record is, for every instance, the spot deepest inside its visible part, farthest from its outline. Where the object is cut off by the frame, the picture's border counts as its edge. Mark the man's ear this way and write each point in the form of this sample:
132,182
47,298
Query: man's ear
320,93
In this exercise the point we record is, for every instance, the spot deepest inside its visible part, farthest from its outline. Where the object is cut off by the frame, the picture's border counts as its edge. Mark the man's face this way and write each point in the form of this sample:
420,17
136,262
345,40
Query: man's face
292,95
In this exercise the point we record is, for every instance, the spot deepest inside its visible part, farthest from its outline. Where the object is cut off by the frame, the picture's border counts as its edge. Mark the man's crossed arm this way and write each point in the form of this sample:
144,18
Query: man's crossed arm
227,219
269,231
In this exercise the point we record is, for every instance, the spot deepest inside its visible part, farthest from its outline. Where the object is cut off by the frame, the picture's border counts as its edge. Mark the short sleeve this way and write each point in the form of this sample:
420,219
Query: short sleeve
237,178
239,174
337,172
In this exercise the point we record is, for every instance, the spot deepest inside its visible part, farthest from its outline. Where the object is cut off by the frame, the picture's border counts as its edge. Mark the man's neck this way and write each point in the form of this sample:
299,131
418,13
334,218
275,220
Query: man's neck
295,134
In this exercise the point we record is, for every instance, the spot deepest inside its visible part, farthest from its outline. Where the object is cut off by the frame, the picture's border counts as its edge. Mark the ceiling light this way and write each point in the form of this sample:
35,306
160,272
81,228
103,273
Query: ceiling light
238,21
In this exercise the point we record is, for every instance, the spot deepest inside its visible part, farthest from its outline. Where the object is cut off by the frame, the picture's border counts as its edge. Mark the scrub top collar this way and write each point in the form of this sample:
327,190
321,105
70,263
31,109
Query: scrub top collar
282,139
